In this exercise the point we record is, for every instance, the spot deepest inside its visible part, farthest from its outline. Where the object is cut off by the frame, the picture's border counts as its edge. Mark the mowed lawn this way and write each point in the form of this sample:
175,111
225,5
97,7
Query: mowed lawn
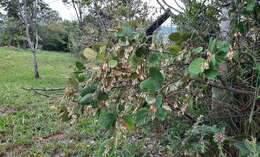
28,124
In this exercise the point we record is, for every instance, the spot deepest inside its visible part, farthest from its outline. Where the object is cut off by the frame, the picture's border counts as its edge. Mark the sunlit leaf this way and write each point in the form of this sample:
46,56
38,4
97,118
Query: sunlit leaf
198,50
150,99
129,122
196,67
89,54
112,63
175,49
101,54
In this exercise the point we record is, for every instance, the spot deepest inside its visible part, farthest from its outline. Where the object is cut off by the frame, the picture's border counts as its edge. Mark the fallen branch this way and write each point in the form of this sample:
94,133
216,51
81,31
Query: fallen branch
39,90
44,89
36,92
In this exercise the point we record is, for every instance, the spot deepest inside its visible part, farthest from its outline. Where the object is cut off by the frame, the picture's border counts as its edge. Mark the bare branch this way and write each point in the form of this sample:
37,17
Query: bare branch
171,7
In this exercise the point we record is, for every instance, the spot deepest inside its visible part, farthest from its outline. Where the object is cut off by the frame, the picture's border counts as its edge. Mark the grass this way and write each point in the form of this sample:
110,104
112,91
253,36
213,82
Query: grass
28,126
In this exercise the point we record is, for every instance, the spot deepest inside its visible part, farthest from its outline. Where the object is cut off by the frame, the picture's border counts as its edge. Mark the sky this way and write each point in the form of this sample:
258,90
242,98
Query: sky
69,14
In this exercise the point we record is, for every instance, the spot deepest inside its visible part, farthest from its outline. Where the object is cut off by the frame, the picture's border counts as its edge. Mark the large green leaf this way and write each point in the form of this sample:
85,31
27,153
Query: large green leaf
211,74
129,122
148,85
222,46
156,75
127,30
134,61
196,67
161,114
87,99
154,59
142,116
107,119
88,89
250,5
141,51
90,54
212,46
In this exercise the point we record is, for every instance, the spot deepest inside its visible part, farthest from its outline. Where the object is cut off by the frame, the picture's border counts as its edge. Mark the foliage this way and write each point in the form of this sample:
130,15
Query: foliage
96,19
54,36
248,148
175,83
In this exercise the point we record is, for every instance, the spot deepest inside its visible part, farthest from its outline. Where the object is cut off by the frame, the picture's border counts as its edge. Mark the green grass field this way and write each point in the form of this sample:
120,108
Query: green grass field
28,125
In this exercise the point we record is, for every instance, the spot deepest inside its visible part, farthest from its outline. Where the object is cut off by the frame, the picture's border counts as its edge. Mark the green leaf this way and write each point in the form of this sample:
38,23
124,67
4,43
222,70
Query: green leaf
150,99
257,67
175,49
175,36
161,114
195,67
198,50
88,89
134,61
212,46
129,122
101,55
89,54
156,75
107,119
80,77
127,30
179,37
148,85
211,74
87,99
154,59
80,66
250,5
142,116
102,96
141,51
112,63
158,101
222,46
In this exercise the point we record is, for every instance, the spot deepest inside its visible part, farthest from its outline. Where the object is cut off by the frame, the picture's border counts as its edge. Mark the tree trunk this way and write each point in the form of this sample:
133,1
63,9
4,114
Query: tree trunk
10,40
220,95
35,64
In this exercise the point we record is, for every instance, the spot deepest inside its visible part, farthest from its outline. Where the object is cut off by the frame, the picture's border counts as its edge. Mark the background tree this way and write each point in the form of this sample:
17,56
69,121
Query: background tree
97,18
